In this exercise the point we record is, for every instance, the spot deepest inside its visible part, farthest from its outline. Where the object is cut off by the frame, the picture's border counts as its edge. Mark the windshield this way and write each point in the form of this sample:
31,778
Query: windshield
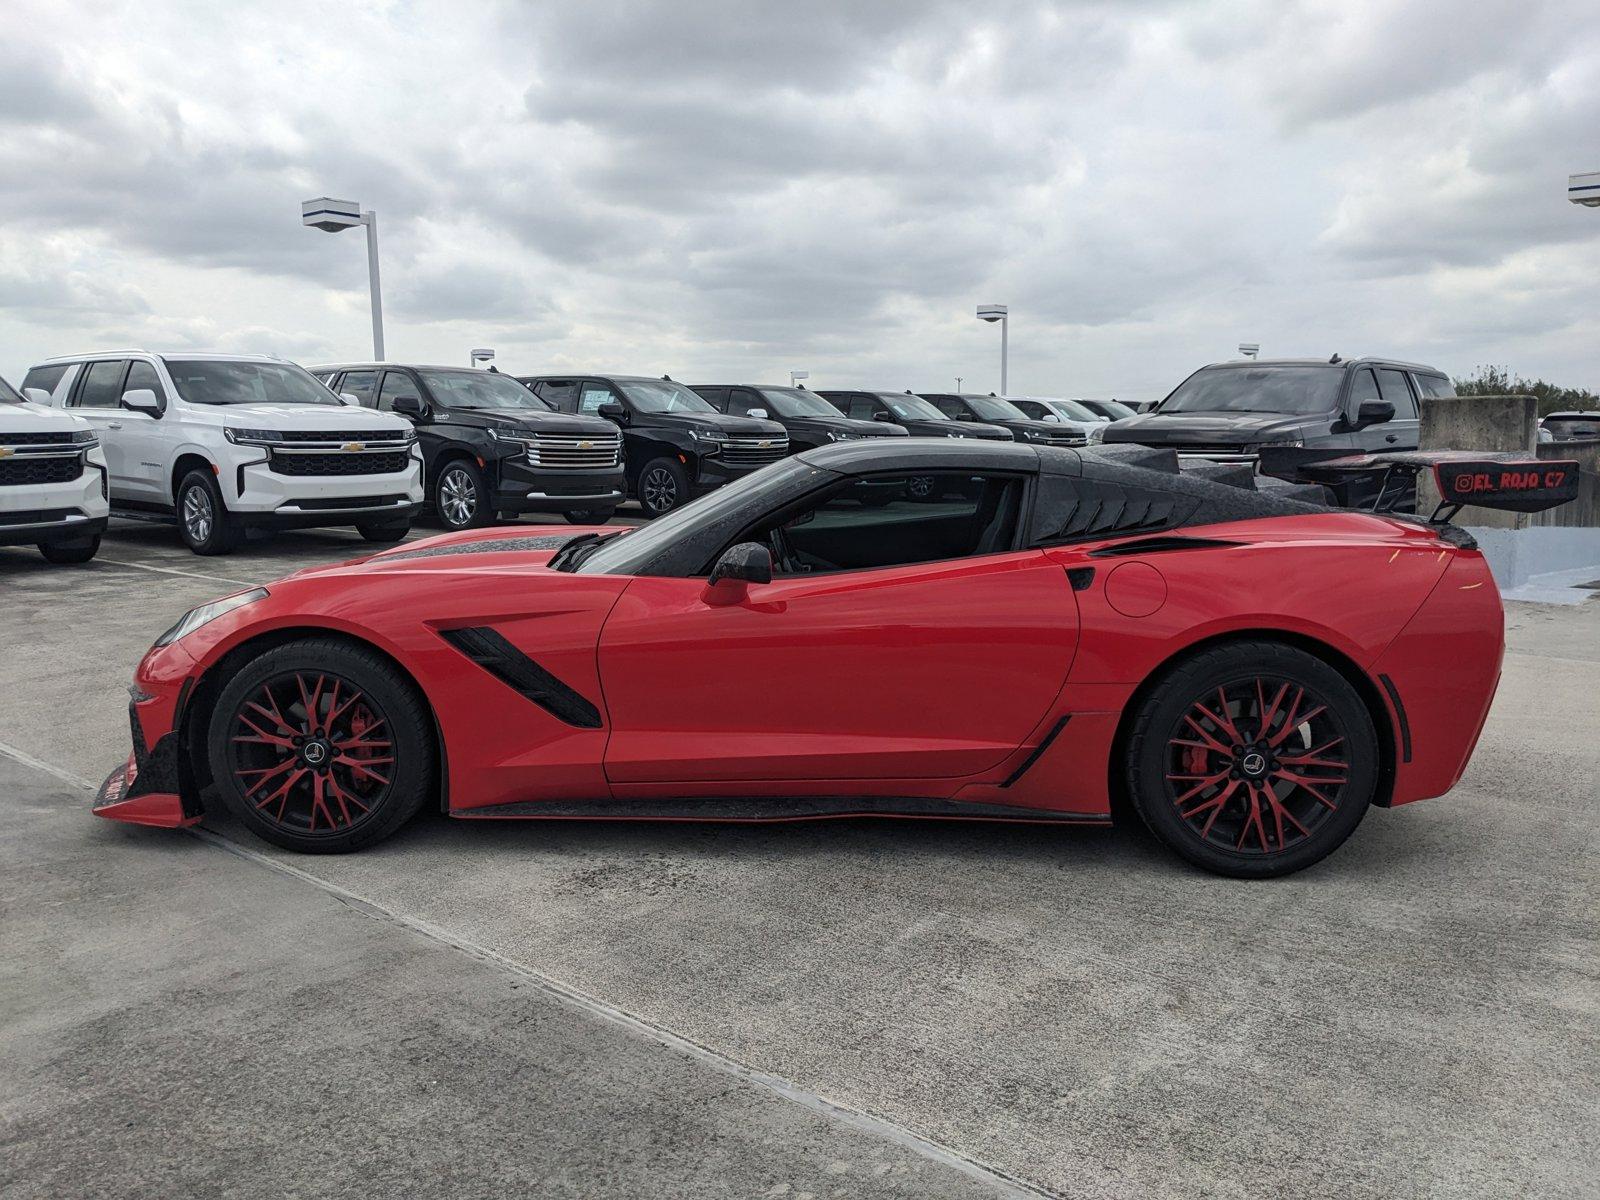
1308,389
796,402
992,408
218,381
662,396
623,554
8,394
911,408
1114,409
479,389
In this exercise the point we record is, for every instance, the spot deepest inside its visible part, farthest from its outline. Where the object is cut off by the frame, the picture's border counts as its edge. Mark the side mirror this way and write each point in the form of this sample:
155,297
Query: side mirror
350,398
880,415
1051,417
964,415
36,396
1373,412
410,407
142,400
612,410
759,413
736,570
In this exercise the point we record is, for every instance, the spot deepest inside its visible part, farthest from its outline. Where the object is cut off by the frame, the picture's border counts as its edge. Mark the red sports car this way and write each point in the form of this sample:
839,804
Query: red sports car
1038,633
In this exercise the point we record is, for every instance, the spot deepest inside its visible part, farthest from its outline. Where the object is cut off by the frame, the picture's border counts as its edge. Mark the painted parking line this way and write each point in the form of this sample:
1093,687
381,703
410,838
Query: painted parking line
1001,1182
118,562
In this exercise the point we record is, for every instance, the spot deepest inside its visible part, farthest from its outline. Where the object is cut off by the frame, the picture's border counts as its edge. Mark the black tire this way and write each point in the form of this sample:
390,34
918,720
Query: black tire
921,487
1224,809
204,522
395,531
461,496
663,485
384,726
589,516
70,553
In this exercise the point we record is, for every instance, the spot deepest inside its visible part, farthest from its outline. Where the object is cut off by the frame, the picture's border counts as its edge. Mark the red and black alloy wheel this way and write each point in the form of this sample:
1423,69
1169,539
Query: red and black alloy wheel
1253,759
320,745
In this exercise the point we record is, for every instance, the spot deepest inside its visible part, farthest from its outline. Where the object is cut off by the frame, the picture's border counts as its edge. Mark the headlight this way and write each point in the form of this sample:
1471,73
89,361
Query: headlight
1294,441
196,617
844,437
83,437
1097,433
252,437
1033,435
716,439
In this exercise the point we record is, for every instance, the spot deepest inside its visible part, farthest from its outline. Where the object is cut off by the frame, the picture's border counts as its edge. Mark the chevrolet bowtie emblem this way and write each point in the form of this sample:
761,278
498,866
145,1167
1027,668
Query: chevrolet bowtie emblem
763,445
353,446
585,445
6,451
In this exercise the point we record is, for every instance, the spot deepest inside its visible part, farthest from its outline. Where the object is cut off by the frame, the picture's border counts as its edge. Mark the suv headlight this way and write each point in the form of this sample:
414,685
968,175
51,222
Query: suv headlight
1293,441
1096,434
206,613
252,437
83,437
844,437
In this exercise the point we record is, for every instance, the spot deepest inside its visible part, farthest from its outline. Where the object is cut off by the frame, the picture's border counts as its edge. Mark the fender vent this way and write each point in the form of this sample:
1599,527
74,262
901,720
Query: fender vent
1075,510
512,667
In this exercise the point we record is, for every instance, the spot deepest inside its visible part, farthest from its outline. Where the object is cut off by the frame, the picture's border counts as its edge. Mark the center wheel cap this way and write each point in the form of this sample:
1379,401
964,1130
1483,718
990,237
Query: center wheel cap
1254,764
316,753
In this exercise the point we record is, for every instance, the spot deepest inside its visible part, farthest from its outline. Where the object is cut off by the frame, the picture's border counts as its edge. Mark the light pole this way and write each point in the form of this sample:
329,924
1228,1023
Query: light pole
332,216
482,356
992,313
796,376
1584,189
1250,350
958,385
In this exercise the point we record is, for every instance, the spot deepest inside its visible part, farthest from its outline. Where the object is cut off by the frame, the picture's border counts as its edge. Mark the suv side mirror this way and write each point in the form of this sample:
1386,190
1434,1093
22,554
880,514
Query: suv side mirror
142,400
410,407
880,415
759,414
964,415
1373,412
736,570
612,410
36,396
350,398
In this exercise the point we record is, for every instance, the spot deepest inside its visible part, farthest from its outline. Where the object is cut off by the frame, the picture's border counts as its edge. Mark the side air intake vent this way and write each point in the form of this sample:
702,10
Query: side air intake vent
1077,510
511,666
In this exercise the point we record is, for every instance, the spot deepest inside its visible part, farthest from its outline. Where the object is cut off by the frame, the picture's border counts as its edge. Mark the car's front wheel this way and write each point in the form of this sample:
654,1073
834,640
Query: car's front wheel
1253,759
385,534
663,486
321,746
460,496
204,522
589,516
70,553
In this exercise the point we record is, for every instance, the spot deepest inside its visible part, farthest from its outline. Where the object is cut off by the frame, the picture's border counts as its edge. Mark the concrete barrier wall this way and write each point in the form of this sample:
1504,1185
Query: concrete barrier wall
1507,424
1583,512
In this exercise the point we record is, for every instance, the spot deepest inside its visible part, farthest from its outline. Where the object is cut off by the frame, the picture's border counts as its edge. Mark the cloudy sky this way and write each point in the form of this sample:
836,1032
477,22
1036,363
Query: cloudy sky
726,190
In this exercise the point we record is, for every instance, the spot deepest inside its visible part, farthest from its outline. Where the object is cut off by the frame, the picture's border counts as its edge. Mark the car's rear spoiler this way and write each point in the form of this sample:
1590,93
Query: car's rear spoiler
1513,482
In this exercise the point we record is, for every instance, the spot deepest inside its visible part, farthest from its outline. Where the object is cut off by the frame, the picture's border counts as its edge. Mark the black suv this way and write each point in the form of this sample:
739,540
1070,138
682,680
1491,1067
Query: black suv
678,445
962,407
490,446
912,413
1229,411
810,420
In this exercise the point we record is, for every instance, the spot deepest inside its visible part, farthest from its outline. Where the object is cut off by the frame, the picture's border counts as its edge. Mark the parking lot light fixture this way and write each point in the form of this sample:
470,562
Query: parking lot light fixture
335,216
992,313
796,376
482,356
1250,349
1584,189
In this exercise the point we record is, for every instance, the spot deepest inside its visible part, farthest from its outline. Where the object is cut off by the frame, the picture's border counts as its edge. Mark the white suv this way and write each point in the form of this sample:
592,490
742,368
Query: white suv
226,443
53,483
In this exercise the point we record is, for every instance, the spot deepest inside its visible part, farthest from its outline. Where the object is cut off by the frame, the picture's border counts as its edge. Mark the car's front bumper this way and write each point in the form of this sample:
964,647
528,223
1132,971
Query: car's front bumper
521,488
71,511
153,787
257,495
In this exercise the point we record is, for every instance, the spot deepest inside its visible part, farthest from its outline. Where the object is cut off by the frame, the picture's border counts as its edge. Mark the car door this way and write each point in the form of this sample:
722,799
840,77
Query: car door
97,397
1363,387
144,440
1403,431
897,641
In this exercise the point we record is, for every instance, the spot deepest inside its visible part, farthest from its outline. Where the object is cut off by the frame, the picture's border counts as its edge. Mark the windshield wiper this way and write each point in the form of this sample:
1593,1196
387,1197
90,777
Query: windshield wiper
573,552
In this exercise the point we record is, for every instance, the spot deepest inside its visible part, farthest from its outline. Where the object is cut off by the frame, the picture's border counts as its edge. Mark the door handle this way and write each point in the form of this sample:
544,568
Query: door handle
1392,437
114,425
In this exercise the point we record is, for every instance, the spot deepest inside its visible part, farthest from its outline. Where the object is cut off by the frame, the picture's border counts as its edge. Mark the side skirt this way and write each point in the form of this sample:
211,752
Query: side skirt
774,808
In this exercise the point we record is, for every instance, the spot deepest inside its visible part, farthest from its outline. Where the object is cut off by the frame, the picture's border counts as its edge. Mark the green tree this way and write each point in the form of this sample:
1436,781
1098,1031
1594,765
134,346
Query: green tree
1498,381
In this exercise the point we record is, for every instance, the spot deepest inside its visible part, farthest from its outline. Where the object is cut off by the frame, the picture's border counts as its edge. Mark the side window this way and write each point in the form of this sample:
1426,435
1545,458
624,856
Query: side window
1032,408
862,409
717,397
897,520
102,385
1434,385
1398,393
142,375
593,396
1363,387
743,401
559,394
949,406
363,385
44,378
395,384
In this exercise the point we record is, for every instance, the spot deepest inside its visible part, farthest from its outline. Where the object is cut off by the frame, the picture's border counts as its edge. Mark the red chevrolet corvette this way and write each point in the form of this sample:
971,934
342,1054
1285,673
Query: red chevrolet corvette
951,629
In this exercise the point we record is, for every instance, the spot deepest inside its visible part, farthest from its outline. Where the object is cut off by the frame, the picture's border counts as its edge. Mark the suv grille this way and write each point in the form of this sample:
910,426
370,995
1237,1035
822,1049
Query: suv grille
367,436
574,451
335,463
754,452
16,472
46,438
1223,454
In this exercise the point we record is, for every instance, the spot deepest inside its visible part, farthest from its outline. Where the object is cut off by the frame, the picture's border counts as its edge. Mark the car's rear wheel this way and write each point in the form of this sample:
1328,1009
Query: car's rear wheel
589,516
204,522
460,496
1253,759
67,553
663,486
321,746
